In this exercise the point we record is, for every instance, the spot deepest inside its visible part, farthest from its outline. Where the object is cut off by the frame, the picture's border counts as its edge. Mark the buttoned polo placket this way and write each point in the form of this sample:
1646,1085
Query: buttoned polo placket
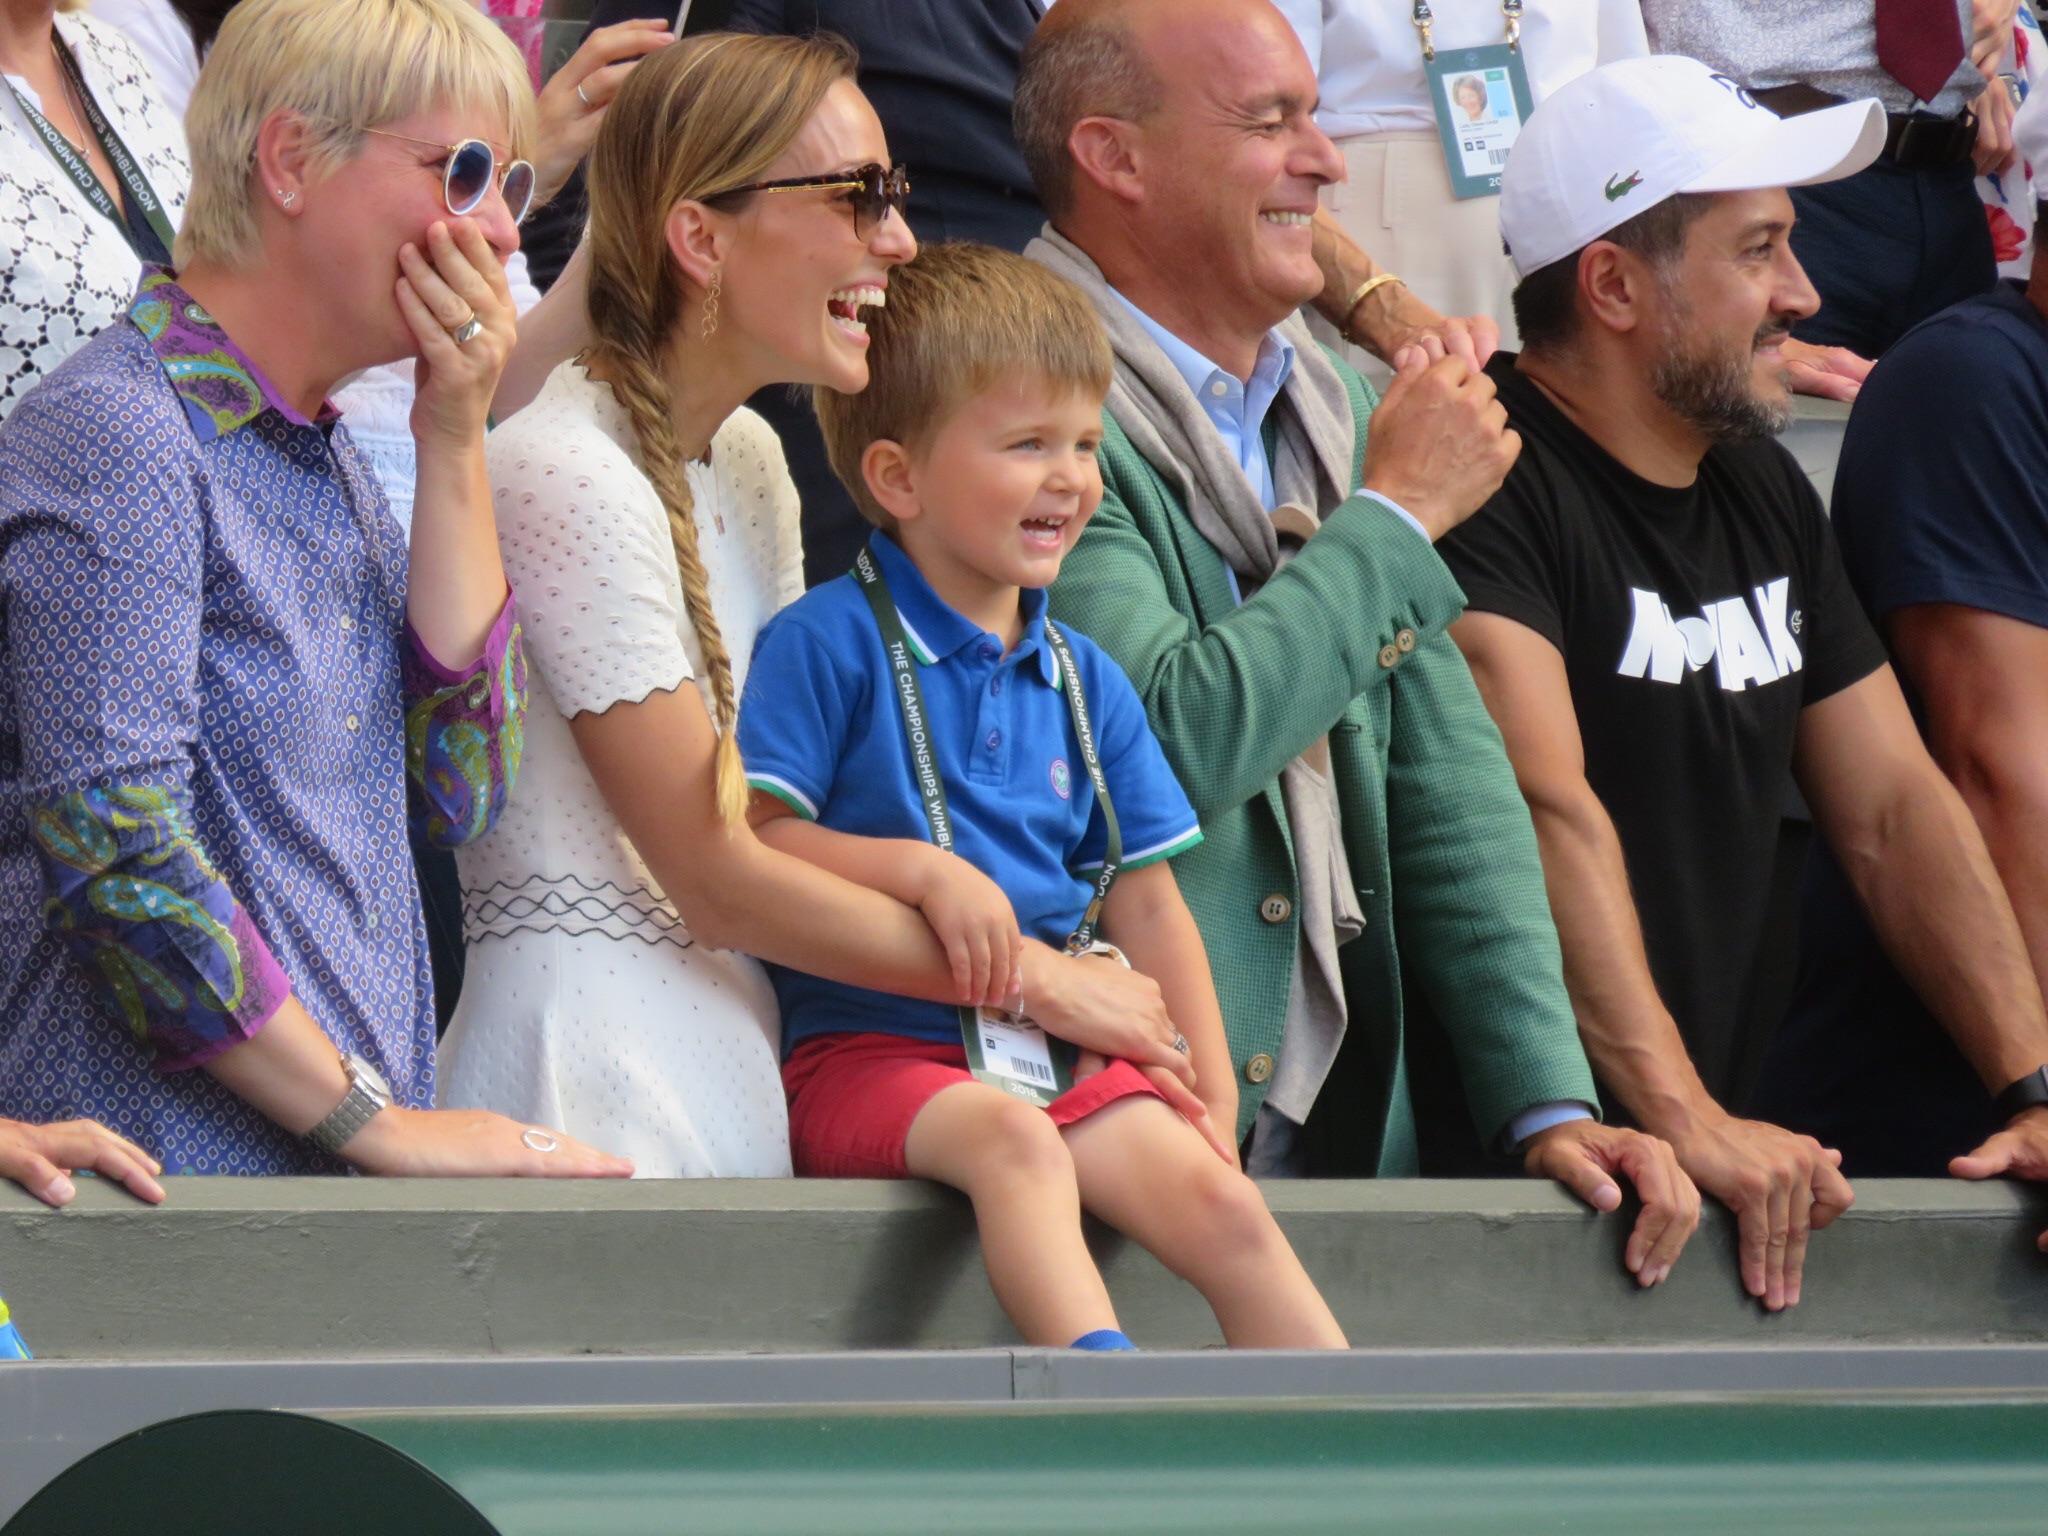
939,636
994,732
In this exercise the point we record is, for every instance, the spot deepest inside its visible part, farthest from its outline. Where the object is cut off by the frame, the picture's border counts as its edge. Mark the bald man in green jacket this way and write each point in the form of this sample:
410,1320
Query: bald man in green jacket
1264,571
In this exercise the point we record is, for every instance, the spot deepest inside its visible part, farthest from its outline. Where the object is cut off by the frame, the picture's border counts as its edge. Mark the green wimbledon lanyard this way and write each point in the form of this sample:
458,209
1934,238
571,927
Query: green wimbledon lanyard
152,243
1480,97
1005,1050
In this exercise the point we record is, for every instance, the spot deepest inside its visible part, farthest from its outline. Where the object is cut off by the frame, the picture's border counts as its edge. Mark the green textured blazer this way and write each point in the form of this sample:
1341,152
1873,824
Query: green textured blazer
1348,638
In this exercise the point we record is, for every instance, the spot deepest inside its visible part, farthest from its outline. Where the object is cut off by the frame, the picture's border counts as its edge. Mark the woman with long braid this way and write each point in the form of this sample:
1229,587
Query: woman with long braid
743,214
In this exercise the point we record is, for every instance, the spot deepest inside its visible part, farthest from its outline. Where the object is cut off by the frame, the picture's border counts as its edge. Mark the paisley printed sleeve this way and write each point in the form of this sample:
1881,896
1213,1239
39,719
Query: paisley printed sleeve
463,732
130,893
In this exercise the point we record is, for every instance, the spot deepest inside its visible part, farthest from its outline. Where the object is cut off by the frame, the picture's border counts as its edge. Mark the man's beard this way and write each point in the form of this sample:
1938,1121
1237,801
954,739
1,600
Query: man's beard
1714,392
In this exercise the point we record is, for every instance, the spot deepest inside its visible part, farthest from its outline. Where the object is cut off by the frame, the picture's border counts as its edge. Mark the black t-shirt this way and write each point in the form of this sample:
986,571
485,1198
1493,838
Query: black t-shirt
1941,497
1695,624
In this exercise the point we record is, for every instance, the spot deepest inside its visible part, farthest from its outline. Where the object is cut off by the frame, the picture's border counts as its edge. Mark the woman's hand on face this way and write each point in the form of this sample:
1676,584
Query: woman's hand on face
473,1143
458,275
568,121
1102,1006
42,1158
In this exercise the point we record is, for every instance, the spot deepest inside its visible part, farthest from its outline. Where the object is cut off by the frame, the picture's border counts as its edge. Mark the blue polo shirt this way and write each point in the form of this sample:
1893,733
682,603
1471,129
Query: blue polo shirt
820,729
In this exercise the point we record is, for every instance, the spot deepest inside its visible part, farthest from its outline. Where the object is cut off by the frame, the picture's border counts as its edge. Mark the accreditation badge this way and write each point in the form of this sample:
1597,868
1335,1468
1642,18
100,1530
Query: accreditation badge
1481,98
1008,1051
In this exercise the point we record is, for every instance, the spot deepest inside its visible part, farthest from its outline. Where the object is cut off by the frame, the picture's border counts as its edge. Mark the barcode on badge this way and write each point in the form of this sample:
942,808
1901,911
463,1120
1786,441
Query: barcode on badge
1496,157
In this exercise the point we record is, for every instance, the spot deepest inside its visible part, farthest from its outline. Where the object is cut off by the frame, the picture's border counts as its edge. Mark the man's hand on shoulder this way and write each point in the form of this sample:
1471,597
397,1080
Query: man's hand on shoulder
2020,1151
1439,442
1586,1157
1779,1184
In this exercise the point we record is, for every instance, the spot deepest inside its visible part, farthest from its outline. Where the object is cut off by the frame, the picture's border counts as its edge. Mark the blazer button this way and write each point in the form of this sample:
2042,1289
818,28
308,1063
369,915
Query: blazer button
1388,655
1259,1068
1404,642
1276,908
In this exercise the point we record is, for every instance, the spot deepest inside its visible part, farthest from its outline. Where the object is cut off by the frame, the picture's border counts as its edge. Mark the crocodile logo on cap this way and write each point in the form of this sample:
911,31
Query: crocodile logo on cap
1618,188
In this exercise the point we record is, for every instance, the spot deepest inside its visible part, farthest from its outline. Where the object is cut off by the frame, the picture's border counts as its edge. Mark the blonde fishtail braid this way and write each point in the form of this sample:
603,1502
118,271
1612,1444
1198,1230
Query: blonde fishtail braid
640,387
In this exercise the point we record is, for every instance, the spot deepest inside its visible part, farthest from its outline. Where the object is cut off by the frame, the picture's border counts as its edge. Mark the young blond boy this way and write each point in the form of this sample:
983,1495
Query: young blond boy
924,697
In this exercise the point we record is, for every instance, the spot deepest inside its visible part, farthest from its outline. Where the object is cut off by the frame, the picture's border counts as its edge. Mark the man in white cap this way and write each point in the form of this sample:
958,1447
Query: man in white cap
1660,625
1941,504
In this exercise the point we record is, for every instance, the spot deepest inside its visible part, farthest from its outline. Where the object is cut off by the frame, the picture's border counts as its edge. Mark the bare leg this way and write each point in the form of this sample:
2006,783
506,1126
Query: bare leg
1007,1157
1149,1174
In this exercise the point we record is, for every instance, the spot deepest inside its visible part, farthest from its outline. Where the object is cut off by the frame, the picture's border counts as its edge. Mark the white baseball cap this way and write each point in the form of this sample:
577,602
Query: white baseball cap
1610,144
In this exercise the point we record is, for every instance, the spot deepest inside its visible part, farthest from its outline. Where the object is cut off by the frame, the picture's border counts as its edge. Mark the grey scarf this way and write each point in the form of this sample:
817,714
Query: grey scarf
1315,451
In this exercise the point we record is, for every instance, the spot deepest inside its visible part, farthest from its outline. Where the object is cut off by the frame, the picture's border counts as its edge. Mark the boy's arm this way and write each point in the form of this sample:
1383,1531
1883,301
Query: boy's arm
1099,1007
892,865
967,911
1146,917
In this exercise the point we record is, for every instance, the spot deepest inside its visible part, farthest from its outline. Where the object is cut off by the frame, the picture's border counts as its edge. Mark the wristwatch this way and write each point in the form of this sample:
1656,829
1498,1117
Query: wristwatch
2029,1092
367,1093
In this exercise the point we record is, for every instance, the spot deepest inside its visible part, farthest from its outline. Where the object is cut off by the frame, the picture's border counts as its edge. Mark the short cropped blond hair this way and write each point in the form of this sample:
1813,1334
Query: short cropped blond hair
960,317
343,65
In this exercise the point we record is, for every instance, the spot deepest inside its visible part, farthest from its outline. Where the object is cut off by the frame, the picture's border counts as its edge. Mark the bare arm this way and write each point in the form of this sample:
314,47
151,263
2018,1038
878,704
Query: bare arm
550,333
1984,680
1391,316
291,1072
1628,1033
1147,918
653,762
1102,1007
1918,862
1779,1185
963,907
455,587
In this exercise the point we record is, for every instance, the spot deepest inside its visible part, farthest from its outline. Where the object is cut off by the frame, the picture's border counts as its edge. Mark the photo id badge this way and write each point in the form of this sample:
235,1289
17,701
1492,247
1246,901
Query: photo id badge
1481,97
1008,1051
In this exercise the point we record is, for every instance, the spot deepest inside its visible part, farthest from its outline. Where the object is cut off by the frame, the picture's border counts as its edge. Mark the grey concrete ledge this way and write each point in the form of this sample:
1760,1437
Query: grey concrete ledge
252,1270
53,1413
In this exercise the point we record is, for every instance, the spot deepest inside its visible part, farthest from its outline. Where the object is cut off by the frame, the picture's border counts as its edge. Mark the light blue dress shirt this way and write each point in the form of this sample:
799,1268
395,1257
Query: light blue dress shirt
1237,409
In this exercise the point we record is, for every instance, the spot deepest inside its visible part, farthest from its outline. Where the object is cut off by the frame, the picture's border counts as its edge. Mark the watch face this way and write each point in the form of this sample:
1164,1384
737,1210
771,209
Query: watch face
370,1078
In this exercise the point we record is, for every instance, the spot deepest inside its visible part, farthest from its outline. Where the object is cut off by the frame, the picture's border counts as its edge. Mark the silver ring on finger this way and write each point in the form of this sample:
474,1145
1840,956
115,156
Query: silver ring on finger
469,330
1180,1043
536,1140
585,99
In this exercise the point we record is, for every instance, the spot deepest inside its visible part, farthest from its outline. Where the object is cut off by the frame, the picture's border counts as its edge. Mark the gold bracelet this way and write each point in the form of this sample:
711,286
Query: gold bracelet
1358,294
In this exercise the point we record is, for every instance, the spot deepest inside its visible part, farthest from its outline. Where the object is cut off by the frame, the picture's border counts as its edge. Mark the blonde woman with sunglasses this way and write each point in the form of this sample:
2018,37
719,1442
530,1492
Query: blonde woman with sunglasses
229,669
744,213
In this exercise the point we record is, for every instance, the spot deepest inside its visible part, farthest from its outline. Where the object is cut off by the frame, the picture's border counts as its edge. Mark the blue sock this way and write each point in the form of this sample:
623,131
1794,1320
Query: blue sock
1103,1338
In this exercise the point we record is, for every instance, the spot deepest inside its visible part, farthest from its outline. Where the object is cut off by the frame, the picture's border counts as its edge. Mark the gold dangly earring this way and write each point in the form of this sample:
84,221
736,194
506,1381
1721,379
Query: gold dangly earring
709,324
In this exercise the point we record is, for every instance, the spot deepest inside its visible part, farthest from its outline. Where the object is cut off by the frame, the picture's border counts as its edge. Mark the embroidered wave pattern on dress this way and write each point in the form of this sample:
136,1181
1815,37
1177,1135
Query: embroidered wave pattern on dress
134,897
568,904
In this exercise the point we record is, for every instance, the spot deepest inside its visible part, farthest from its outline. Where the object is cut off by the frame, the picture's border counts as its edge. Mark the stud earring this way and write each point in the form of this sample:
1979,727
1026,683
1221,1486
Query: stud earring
287,197
709,324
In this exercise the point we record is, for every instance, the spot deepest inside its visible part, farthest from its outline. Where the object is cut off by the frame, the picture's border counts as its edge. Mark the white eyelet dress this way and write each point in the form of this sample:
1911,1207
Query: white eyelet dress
587,1005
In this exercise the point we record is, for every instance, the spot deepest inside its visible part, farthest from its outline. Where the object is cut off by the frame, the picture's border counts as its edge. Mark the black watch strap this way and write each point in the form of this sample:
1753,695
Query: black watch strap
2029,1092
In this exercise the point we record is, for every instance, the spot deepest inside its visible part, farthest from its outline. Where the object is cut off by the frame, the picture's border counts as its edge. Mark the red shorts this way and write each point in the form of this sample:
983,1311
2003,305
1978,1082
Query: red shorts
852,1098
